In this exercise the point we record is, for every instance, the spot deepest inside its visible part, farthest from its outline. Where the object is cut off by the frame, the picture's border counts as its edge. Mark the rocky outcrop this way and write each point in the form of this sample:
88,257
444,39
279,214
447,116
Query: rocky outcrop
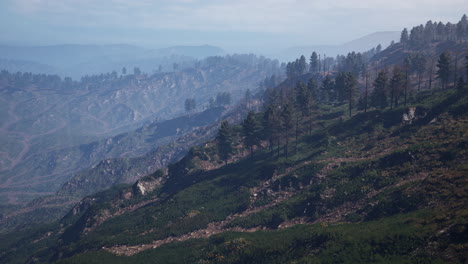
148,184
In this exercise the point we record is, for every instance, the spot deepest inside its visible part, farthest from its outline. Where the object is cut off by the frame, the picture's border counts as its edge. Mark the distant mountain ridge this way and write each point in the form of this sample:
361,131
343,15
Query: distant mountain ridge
361,44
77,60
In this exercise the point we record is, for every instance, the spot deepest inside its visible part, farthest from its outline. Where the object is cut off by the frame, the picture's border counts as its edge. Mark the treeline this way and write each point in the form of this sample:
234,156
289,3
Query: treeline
250,60
423,35
354,62
20,79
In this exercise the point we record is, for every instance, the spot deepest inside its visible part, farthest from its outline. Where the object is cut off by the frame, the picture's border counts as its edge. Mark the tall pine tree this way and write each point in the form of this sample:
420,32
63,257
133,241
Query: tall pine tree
351,90
379,94
225,140
250,130
444,71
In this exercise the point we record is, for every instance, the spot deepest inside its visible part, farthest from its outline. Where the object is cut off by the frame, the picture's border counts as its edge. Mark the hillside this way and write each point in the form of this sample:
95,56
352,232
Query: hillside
372,187
150,150
356,162
52,128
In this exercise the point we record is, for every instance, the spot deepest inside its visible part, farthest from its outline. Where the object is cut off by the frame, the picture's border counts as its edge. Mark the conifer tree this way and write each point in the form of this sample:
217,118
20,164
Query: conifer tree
420,67
270,124
340,87
379,94
396,85
444,71
312,87
366,91
378,49
301,65
225,140
351,90
404,36
303,98
286,119
250,130
314,62
328,90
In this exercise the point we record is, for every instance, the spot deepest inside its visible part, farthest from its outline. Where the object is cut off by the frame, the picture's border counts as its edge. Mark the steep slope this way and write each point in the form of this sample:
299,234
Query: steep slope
44,118
147,147
375,187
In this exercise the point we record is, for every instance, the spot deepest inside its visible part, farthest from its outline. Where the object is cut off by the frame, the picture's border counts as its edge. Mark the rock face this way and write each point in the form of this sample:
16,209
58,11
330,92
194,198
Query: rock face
413,114
410,116
148,184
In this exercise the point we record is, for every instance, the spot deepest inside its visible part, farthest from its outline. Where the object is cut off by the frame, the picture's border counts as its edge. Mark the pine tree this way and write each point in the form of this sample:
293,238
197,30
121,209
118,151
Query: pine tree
327,90
251,132
420,67
340,87
366,92
396,85
270,124
379,94
444,71
462,28
351,90
314,62
302,98
312,87
301,65
404,36
286,119
225,140
378,49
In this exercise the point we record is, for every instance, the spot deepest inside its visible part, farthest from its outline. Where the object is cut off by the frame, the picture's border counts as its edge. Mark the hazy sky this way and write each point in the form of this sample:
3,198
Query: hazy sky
232,24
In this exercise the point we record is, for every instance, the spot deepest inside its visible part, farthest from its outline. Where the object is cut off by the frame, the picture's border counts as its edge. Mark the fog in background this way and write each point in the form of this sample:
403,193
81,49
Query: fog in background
260,26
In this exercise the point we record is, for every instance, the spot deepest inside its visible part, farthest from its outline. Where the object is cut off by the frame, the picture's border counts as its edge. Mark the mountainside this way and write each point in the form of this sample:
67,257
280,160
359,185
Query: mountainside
51,127
189,132
65,162
356,162
378,178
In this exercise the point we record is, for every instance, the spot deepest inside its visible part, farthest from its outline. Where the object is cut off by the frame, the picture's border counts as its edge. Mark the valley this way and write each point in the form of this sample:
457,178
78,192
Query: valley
358,158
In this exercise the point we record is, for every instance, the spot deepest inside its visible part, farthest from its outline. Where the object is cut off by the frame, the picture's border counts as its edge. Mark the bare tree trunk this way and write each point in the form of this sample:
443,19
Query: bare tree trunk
430,74
406,85
366,92
455,70
297,131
